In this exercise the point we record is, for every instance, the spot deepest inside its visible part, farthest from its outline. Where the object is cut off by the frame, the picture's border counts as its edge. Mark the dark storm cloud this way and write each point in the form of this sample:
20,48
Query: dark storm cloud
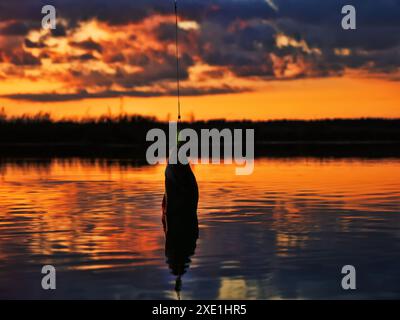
26,10
23,58
31,44
88,45
224,12
14,29
370,12
373,45
114,12
185,91
84,57
158,69
379,19
60,31
166,32
244,51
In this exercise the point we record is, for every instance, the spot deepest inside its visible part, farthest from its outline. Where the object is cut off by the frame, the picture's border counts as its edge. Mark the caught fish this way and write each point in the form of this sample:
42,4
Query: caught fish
180,200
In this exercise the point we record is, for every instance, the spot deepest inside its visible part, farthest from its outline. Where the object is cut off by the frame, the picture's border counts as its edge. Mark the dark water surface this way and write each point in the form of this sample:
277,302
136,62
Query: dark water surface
283,232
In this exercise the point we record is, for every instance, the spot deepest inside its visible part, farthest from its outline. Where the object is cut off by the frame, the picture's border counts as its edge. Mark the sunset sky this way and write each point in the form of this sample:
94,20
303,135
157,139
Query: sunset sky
253,59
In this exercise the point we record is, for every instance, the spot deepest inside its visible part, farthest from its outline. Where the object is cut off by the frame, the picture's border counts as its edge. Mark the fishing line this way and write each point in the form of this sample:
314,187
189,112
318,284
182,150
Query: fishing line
177,62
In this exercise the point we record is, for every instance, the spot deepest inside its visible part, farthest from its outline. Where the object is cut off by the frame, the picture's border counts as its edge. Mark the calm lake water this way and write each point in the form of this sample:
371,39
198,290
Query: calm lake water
282,233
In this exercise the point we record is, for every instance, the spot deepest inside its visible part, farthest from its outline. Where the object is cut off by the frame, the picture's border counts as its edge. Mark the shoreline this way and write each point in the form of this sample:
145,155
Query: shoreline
318,149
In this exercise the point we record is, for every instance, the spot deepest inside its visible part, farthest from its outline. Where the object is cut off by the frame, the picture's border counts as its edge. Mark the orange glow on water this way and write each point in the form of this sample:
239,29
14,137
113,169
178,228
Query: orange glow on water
109,211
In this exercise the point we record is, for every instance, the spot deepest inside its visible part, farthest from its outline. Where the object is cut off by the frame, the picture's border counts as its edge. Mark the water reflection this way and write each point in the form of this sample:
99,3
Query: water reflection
283,232
179,251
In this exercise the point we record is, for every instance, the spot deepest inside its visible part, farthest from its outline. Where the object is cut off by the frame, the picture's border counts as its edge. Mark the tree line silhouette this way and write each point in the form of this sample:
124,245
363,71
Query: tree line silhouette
41,132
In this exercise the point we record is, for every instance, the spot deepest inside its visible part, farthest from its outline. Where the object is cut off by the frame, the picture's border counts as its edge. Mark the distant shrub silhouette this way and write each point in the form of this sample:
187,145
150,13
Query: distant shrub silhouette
125,128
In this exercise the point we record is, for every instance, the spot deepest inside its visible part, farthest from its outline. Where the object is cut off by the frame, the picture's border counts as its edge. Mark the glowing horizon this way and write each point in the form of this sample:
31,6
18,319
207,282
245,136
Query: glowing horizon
345,97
